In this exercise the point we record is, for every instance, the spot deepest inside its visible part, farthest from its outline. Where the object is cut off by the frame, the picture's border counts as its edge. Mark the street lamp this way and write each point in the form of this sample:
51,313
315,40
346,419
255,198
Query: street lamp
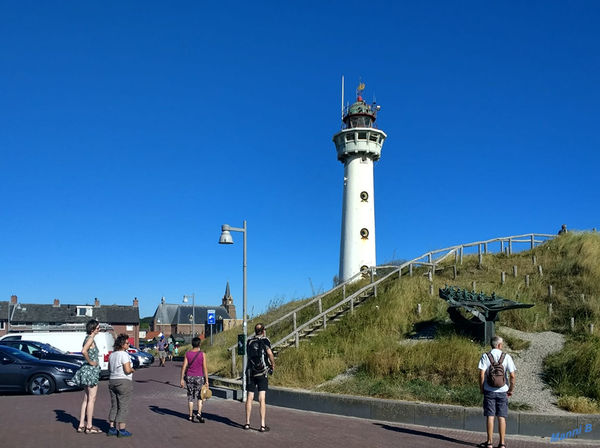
227,239
185,300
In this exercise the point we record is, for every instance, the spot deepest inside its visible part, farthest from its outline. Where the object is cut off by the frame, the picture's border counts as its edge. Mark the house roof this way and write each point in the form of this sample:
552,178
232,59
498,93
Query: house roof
110,314
167,313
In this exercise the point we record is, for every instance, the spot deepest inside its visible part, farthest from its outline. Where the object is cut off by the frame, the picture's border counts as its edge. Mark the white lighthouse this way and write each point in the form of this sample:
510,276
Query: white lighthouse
358,145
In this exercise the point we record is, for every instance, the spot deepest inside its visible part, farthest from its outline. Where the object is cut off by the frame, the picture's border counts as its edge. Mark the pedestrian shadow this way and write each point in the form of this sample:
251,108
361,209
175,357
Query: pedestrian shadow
206,415
168,383
65,417
415,432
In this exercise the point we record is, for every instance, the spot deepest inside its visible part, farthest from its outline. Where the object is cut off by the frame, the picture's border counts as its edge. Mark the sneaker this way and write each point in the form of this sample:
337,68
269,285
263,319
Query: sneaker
124,433
112,431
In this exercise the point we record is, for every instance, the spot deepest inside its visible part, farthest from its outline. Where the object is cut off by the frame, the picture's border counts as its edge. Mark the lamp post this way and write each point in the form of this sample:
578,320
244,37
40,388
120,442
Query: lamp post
185,300
227,239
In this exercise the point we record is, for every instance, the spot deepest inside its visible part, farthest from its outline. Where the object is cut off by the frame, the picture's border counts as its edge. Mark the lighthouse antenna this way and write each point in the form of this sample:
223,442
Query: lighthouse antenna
342,98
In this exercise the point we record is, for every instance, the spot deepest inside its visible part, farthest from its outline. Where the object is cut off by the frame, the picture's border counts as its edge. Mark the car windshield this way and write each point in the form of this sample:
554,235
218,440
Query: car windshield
16,353
51,349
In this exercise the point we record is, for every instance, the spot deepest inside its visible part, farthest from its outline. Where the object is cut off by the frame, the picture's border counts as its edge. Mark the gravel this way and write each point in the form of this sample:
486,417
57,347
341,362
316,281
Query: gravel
530,388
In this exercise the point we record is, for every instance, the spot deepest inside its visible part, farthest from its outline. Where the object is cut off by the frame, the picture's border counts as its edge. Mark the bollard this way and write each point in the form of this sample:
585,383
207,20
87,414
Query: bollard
527,280
515,271
540,271
454,272
572,324
502,277
549,290
419,309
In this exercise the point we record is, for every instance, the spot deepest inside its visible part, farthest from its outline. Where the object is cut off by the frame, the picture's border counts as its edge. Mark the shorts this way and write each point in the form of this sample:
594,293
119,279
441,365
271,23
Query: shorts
495,404
194,387
260,382
162,354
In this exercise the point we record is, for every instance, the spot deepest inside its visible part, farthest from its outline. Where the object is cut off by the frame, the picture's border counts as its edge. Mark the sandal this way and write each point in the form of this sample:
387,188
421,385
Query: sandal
486,445
81,429
502,445
264,429
246,426
92,430
191,418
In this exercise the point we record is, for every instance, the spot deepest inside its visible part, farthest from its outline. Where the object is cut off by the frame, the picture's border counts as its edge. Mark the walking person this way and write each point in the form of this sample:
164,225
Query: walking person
162,351
261,362
87,377
120,386
194,376
496,383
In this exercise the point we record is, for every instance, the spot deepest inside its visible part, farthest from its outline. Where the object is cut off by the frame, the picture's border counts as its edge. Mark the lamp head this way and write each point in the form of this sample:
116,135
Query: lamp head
225,235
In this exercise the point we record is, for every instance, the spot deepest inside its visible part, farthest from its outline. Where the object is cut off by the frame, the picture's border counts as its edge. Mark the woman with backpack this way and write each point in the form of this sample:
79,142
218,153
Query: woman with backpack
194,376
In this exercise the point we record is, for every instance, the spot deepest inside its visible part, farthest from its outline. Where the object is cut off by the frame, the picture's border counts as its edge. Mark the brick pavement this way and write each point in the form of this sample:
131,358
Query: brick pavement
158,417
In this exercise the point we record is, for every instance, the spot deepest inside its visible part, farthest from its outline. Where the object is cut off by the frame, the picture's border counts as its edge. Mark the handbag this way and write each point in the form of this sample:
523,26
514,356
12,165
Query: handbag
190,364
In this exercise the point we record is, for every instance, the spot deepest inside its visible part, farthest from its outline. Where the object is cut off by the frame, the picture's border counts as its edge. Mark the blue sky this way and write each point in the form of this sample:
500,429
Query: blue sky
130,131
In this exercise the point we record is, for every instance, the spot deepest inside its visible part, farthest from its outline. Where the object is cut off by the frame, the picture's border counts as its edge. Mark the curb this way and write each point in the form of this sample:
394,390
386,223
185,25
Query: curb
424,414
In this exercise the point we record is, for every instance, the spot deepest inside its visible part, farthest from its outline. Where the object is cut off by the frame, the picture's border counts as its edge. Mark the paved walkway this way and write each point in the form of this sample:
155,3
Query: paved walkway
159,418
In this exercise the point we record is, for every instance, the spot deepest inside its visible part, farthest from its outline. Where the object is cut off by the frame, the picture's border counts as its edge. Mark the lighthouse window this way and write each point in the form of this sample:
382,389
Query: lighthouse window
362,135
349,136
373,137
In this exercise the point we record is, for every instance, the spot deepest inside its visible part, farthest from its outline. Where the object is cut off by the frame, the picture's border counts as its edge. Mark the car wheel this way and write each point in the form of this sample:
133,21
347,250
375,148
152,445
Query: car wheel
41,384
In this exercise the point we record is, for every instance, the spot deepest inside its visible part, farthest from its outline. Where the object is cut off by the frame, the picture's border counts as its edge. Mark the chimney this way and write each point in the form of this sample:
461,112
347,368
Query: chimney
96,303
162,300
13,300
135,302
56,303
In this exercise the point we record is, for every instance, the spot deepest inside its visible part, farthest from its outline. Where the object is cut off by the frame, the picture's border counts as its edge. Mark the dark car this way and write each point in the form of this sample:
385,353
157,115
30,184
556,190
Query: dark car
21,372
42,350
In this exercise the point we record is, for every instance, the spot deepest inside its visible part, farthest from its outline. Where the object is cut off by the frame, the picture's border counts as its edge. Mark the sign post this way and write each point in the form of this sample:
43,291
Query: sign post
211,322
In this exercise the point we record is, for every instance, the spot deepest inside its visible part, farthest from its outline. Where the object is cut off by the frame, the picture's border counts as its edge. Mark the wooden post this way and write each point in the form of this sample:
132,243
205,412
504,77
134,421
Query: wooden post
550,309
294,319
410,270
591,328
583,297
534,260
351,306
419,309
510,246
549,290
572,324
502,246
320,306
536,320
515,271
461,254
372,275
297,342
527,280
431,289
532,241
474,285
429,276
455,256
502,277
540,270
454,272
429,258
344,291
479,254
485,251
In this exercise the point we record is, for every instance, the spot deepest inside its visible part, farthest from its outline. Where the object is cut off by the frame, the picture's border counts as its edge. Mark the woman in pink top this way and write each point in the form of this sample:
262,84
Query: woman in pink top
194,375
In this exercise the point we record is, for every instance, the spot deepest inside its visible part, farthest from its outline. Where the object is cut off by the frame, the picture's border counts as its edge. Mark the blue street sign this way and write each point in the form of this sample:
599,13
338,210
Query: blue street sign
211,317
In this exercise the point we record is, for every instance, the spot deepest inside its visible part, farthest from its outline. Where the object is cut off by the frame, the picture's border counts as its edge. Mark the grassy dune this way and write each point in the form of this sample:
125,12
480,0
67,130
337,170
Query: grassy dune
372,342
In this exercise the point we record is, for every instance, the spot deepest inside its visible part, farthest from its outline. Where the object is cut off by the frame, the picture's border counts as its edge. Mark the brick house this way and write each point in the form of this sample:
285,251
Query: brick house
175,319
20,317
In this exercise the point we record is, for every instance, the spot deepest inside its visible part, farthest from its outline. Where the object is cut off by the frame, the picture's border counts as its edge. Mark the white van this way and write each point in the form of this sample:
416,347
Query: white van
72,342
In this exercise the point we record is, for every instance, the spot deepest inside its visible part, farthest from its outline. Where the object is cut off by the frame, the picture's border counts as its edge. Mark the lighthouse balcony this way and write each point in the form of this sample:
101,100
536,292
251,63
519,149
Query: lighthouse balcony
368,141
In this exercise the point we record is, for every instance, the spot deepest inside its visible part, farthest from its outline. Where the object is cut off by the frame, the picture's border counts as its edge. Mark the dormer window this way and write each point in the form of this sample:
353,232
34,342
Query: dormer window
85,311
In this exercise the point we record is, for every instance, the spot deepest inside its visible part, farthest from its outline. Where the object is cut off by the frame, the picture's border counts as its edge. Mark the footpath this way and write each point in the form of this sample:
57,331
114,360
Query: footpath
158,417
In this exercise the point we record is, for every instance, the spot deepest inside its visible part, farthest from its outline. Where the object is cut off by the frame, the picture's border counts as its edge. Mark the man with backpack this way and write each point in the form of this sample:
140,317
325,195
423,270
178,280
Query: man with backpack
496,382
261,363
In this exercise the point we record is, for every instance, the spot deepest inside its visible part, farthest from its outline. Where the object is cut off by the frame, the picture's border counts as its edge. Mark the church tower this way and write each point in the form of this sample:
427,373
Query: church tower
227,302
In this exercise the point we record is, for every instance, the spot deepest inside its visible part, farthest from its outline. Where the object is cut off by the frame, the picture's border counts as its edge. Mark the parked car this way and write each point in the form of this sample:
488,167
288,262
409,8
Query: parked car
21,372
44,351
146,359
70,342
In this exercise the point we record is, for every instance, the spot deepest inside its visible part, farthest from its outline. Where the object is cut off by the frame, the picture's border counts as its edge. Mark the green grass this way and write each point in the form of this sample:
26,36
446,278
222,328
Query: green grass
373,339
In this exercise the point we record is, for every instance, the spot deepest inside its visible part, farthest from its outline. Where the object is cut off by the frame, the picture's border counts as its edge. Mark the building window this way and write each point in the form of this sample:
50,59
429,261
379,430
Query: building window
129,327
2,325
84,311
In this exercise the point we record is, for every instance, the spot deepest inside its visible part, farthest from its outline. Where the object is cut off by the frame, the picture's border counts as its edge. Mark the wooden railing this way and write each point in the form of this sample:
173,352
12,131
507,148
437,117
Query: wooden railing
431,259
